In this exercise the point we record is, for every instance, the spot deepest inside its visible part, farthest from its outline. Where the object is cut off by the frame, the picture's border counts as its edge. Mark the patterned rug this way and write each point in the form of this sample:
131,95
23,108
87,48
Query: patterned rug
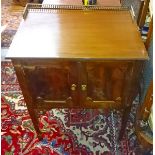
65,131
11,15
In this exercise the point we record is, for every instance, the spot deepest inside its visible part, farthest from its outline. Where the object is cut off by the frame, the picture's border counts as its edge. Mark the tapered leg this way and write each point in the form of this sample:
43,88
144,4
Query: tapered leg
27,97
131,89
35,121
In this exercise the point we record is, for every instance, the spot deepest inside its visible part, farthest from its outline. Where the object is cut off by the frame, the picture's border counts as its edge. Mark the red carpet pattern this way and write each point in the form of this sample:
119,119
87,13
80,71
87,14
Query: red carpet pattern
65,131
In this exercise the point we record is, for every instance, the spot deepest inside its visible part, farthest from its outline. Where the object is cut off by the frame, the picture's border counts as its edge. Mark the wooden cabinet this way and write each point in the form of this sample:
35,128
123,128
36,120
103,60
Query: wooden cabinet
78,57
92,84
75,83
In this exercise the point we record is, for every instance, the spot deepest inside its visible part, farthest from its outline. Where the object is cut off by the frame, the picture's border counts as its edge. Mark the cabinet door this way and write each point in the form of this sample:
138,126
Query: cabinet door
105,81
52,83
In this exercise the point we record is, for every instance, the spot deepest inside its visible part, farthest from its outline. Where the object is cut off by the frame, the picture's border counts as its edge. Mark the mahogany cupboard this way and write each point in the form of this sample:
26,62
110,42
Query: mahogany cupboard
78,57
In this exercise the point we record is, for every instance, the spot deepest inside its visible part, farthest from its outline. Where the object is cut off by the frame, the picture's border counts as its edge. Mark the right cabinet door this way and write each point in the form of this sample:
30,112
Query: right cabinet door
105,83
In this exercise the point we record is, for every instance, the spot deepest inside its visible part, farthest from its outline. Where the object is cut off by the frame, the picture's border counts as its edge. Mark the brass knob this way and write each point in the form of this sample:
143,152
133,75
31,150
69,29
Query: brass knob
73,87
83,87
146,111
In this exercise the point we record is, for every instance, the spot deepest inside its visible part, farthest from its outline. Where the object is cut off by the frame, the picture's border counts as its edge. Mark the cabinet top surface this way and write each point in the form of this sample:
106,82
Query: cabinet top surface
62,33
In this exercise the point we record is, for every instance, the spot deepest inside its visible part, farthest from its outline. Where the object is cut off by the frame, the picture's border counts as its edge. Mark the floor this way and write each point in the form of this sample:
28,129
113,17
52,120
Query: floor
11,15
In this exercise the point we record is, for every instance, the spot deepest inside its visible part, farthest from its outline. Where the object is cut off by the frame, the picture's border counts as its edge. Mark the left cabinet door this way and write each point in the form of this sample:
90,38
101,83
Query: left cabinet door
52,83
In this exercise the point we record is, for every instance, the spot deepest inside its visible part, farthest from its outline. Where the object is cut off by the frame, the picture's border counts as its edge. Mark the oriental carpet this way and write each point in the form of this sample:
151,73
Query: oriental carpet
65,131
11,16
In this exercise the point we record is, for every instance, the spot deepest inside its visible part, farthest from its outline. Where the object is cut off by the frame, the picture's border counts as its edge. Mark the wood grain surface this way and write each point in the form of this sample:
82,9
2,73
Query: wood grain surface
105,34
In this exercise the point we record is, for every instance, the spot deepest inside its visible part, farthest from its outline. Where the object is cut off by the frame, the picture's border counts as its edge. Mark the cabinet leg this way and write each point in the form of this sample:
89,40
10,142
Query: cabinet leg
131,90
29,102
36,127
39,135
35,122
124,122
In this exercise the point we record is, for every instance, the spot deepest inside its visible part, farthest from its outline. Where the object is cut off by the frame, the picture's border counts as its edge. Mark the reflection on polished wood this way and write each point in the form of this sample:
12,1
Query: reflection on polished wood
85,58
104,34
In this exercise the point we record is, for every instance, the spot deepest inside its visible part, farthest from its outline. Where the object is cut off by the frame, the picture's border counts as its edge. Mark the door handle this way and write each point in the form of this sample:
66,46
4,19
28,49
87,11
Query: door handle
73,87
83,87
